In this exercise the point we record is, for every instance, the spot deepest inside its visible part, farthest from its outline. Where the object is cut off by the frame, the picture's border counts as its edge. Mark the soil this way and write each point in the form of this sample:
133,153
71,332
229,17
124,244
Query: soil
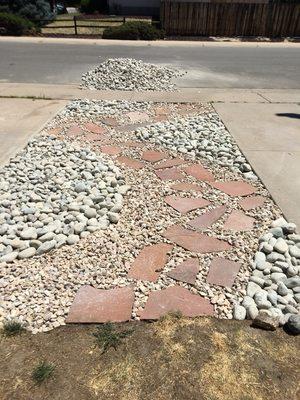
172,359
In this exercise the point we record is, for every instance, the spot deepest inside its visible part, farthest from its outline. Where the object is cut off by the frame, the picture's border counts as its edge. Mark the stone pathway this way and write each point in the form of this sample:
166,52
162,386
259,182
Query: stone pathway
93,305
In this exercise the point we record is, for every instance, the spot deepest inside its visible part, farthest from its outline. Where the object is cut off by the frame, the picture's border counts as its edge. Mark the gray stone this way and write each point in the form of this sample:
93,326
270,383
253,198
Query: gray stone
239,312
277,277
9,257
30,252
282,289
294,251
45,247
113,217
277,232
47,237
261,300
289,309
29,234
281,246
260,260
290,283
252,288
293,324
257,280
72,239
266,320
252,311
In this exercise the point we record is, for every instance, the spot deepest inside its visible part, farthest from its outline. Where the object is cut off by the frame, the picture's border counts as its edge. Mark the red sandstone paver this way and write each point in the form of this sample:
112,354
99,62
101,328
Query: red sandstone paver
207,219
252,202
74,131
162,111
133,144
160,118
175,298
111,150
173,162
199,172
110,121
195,241
186,187
186,271
129,162
137,116
55,131
96,137
97,305
223,272
238,221
153,156
235,188
150,262
186,204
94,128
170,174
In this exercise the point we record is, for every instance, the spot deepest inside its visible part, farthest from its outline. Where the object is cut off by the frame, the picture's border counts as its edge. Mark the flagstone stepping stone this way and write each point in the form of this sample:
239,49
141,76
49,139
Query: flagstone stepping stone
238,221
195,241
199,172
170,174
186,271
153,156
110,121
137,116
252,202
99,305
234,188
129,162
94,128
95,137
172,162
55,131
207,219
222,272
111,150
186,204
186,187
175,298
150,262
133,144
74,131
161,111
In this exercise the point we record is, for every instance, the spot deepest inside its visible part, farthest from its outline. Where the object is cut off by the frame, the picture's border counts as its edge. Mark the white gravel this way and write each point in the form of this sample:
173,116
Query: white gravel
130,74
52,194
203,136
274,286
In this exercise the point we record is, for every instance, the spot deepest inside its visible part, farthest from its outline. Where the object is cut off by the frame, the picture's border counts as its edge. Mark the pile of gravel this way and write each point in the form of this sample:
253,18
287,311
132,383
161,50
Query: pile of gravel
52,194
200,136
84,108
129,74
273,290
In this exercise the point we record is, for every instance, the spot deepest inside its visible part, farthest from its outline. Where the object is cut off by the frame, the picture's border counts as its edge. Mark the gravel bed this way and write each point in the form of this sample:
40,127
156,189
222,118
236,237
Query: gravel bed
93,109
39,290
203,136
53,194
273,291
130,74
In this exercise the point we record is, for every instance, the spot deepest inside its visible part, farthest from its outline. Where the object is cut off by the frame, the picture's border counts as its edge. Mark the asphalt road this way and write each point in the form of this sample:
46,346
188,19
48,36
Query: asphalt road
227,66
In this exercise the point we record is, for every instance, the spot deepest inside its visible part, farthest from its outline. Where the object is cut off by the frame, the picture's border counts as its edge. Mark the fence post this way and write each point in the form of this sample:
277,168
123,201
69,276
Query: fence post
75,24
124,20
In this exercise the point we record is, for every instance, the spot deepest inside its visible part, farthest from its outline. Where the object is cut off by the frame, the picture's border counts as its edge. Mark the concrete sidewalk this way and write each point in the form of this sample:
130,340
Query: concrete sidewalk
20,119
269,136
204,95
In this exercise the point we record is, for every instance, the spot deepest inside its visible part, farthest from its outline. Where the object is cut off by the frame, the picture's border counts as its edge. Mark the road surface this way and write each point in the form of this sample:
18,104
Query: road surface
209,65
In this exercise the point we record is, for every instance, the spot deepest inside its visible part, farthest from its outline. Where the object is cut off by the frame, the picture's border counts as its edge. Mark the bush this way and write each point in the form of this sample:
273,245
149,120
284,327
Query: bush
136,30
34,10
92,6
15,25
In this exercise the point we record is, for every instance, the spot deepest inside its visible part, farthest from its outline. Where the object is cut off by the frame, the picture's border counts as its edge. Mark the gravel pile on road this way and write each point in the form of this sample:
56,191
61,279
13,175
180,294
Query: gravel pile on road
202,136
273,291
130,74
91,109
53,194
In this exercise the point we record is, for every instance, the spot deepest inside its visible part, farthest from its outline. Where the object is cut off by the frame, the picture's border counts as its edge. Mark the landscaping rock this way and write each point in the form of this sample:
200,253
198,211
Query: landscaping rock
266,320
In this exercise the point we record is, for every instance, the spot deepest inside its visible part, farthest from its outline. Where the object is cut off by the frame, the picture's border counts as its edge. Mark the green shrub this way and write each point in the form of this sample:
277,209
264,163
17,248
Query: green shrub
15,25
136,30
34,10
92,6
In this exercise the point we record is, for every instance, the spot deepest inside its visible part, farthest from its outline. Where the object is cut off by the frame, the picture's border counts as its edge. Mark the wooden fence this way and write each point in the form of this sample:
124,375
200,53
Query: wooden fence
231,18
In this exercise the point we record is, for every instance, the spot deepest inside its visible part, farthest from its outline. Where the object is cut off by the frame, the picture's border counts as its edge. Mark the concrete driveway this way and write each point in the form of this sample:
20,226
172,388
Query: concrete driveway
269,136
20,119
